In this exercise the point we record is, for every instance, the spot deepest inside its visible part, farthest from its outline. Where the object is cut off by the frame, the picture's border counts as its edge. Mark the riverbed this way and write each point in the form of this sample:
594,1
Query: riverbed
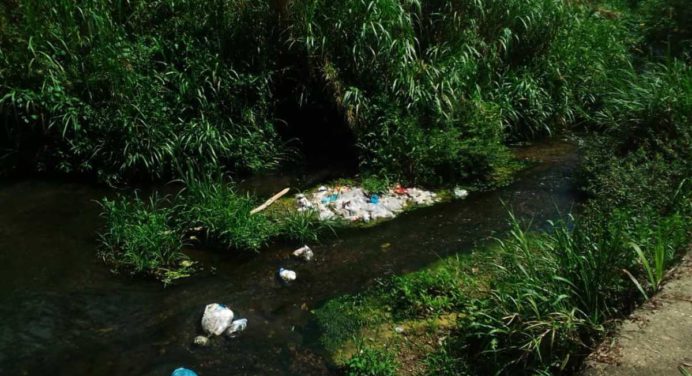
64,313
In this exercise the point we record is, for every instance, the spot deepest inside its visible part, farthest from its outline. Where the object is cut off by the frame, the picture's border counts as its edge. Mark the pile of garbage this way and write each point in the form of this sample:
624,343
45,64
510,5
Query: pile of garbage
355,204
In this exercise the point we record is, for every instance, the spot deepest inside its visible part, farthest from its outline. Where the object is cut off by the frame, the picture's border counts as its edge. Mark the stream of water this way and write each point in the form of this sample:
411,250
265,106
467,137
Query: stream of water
63,313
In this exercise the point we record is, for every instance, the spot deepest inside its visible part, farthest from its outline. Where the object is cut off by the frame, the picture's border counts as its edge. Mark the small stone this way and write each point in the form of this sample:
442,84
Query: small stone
201,341
399,329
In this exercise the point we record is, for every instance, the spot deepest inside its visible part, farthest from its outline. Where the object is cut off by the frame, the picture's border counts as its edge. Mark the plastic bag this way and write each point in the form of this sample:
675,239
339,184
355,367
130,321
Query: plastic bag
287,275
304,253
216,318
183,372
236,327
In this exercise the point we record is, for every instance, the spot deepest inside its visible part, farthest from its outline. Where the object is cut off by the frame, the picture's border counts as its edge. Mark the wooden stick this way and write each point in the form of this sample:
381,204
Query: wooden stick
270,201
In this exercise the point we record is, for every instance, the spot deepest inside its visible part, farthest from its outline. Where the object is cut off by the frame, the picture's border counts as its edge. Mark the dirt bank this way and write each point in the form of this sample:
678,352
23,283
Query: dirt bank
657,338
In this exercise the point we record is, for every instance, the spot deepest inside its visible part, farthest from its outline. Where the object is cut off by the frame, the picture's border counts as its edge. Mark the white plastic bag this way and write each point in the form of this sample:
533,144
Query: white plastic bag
304,253
236,327
216,319
287,275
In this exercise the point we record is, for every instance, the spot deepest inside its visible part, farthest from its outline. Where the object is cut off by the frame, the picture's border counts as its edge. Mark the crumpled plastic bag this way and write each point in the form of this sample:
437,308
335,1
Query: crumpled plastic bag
236,327
216,319
304,253
287,275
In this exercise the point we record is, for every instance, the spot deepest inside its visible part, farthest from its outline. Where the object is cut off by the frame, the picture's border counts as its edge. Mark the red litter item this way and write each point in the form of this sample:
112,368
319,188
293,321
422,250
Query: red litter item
400,190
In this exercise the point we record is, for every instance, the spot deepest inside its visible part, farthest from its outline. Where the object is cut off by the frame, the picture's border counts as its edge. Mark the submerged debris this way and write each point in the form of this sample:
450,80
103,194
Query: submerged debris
304,253
236,327
216,319
460,193
201,341
183,372
287,275
354,204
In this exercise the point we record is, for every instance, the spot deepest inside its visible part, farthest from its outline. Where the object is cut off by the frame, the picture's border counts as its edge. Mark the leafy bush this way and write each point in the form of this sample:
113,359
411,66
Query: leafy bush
642,158
136,89
666,25
430,90
405,80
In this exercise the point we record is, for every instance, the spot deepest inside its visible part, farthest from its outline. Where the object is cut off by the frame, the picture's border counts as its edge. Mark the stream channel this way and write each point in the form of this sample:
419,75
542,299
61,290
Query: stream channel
62,312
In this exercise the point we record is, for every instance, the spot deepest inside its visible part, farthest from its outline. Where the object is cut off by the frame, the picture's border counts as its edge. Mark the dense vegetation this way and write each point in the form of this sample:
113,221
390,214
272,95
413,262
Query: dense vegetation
428,93
538,302
431,90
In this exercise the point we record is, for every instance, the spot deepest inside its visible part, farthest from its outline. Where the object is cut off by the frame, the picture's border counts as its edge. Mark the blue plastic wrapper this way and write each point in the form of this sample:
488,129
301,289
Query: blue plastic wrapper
184,372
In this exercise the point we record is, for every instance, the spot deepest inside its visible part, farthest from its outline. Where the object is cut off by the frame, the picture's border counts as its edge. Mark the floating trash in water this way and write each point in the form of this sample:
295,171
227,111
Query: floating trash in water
236,327
183,372
460,193
355,204
201,341
304,253
216,318
287,275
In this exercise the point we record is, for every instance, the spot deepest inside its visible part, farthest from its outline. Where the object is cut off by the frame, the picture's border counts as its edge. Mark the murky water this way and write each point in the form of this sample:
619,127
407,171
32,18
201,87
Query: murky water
63,313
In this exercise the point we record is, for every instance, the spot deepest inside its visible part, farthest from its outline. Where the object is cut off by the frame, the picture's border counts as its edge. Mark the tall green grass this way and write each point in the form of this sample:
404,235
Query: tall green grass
431,90
135,90
224,216
537,304
139,237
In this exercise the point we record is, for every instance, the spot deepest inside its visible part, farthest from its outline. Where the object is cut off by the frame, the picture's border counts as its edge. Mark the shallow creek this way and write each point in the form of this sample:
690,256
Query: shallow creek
63,313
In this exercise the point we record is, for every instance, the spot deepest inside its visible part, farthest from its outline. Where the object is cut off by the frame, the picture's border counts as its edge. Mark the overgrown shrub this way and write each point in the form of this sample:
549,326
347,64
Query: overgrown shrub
431,90
414,78
642,157
666,25
126,89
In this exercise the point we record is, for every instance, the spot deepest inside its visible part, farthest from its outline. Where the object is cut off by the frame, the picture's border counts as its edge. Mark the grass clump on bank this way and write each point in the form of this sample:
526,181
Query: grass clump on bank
148,237
535,304
140,239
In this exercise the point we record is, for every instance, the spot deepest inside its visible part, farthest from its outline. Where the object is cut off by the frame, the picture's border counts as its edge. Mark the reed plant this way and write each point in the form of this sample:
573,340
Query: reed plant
138,236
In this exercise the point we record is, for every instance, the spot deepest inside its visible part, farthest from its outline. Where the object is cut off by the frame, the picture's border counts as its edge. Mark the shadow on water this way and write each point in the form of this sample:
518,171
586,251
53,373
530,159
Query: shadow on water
63,313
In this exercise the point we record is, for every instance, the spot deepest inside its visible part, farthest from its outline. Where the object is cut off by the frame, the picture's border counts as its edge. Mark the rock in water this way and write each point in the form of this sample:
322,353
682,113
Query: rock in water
216,318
